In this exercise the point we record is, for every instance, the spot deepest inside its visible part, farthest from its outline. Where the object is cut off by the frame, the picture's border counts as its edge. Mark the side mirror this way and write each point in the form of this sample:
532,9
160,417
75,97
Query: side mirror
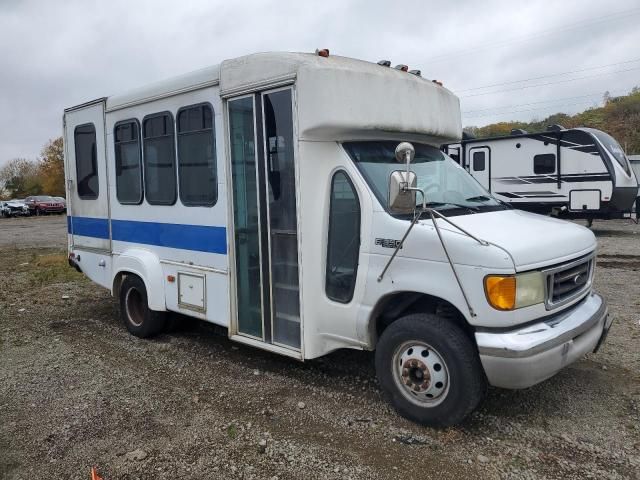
405,153
401,200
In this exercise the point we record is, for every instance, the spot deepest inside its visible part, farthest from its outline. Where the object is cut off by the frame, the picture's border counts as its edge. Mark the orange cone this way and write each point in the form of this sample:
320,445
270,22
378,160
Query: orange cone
94,474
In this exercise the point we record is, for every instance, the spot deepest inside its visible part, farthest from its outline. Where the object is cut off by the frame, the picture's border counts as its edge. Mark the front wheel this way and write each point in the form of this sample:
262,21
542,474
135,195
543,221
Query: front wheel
429,370
139,319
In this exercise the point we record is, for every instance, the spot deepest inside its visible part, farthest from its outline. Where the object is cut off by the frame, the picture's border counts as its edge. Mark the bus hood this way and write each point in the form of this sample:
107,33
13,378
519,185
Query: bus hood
533,241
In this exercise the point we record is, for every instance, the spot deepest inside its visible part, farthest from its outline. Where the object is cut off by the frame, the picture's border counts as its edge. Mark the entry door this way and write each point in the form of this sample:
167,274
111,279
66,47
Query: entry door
264,217
480,165
86,172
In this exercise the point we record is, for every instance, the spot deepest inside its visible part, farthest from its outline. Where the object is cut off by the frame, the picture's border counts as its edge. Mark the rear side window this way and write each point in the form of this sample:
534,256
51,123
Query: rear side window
478,161
343,247
544,163
84,137
128,162
197,156
159,159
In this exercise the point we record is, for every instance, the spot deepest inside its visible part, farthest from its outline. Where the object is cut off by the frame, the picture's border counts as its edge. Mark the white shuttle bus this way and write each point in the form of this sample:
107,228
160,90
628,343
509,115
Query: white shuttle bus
302,201
569,173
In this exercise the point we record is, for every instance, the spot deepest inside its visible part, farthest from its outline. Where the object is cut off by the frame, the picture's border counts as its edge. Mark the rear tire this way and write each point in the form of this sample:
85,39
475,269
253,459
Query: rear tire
139,319
429,370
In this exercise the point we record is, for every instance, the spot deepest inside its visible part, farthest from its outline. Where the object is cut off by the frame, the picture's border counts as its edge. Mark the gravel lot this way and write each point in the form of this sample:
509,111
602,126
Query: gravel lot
77,390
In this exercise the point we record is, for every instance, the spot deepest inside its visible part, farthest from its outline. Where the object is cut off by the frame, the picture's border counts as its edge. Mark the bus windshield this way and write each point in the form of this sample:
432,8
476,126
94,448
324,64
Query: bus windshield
447,185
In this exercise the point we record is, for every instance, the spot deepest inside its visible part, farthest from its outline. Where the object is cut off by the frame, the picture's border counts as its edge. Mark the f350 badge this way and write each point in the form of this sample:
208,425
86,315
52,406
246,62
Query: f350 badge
387,242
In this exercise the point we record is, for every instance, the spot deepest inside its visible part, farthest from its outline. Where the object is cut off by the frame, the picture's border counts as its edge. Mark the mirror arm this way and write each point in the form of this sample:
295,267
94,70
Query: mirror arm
416,216
424,196
407,157
446,252
433,213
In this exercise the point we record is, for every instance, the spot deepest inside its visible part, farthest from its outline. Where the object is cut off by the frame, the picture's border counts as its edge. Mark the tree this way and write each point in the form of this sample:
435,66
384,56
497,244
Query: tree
20,178
51,171
619,117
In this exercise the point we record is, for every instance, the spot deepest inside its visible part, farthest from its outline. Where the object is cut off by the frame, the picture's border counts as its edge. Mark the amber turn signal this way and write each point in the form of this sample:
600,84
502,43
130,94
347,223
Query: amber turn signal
501,291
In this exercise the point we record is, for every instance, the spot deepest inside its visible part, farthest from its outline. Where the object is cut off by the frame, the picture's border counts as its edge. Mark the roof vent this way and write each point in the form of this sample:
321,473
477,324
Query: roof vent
555,128
417,73
402,67
518,131
384,63
438,82
322,52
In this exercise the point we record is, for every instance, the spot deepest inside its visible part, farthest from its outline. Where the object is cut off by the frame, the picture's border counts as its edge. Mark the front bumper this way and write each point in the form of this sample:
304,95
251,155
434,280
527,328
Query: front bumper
16,211
528,355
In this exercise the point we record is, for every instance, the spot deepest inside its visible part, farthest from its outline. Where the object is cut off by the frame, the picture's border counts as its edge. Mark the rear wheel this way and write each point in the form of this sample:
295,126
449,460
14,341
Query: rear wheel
139,319
429,370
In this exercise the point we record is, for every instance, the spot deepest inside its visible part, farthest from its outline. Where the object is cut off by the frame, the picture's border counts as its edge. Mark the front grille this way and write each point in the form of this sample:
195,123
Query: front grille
568,281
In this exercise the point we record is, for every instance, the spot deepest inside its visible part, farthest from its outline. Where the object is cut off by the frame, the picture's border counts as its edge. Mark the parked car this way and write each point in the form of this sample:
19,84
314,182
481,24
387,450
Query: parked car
13,208
43,204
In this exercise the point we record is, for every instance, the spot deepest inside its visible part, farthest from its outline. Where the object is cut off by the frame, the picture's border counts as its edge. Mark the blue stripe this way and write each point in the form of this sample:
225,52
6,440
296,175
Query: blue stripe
199,238
187,237
88,227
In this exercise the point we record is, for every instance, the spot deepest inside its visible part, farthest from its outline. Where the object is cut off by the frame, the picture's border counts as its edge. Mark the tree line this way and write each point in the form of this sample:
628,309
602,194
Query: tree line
619,117
22,177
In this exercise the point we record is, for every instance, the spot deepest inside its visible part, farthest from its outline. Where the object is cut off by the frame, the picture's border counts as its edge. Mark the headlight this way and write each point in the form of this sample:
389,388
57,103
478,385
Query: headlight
508,292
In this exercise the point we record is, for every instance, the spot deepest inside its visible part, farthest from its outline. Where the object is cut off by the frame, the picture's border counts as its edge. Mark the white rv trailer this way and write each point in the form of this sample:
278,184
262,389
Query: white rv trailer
569,173
264,195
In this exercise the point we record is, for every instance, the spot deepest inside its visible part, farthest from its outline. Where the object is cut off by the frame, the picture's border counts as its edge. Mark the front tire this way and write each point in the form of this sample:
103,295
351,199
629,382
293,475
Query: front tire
429,370
139,319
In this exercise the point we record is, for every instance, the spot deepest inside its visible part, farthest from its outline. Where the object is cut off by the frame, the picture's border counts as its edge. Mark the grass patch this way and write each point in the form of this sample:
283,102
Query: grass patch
51,268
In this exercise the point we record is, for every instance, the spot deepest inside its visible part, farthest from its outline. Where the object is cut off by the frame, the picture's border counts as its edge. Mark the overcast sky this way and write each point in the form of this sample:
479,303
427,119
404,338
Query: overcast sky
57,54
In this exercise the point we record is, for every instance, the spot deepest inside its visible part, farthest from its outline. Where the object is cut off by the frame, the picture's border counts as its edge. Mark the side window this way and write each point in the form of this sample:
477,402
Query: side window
84,138
478,161
159,159
343,246
197,156
544,163
126,136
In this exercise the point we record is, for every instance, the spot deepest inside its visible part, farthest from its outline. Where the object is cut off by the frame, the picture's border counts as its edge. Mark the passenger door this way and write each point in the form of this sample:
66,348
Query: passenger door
265,230
480,165
86,173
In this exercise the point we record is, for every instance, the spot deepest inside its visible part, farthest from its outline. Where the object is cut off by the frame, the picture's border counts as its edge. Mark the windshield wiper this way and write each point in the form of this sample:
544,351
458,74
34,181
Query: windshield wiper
479,198
458,205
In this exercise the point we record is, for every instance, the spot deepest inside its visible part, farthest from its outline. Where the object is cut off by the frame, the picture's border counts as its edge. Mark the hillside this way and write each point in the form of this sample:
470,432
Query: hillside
619,117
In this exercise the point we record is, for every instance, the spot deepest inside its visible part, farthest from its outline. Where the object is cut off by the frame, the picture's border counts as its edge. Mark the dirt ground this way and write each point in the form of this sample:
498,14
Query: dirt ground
76,390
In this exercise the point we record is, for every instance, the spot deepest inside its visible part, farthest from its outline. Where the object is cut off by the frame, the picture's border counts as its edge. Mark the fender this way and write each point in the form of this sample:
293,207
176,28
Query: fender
147,266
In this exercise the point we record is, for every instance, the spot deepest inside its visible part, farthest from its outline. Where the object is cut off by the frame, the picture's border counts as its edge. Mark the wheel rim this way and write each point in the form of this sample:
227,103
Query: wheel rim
134,306
420,373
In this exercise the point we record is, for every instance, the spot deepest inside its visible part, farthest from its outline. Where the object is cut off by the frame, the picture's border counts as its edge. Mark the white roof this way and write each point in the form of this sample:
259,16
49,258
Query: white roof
189,81
337,97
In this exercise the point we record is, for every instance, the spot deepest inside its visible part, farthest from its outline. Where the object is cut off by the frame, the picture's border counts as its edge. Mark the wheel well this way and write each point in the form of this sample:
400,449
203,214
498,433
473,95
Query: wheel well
400,304
119,279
